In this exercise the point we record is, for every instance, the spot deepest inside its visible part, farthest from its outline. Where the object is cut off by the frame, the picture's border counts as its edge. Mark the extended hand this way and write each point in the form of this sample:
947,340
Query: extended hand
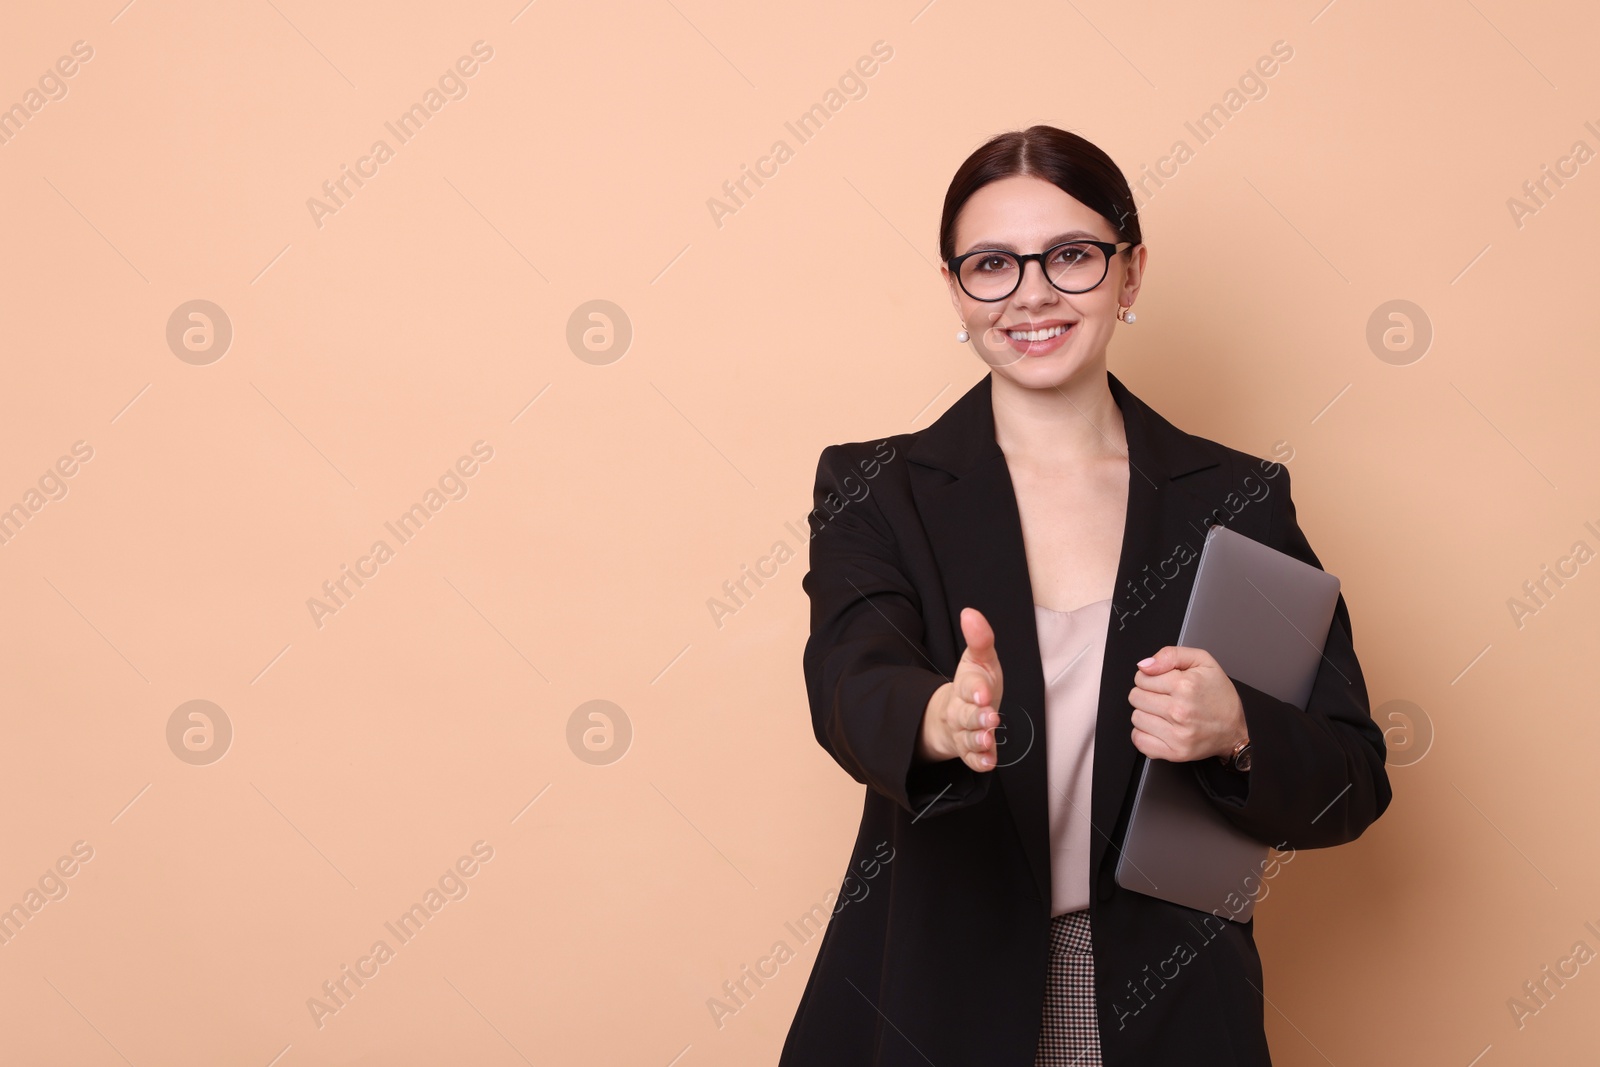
961,717
1185,707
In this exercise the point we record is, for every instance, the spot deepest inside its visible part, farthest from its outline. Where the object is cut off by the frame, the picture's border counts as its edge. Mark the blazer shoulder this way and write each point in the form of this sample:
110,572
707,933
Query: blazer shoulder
1183,452
845,464
1241,463
884,448
1268,466
858,475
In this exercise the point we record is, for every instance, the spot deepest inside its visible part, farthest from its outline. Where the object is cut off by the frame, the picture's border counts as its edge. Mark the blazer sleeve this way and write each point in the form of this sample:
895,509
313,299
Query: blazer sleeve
1317,776
868,674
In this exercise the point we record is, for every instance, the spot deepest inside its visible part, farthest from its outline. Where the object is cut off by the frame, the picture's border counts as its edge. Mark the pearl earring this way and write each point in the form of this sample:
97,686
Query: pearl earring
1125,313
962,335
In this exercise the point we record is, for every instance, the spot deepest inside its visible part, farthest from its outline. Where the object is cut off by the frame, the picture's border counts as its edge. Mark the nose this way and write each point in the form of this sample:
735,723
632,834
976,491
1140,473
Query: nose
1034,288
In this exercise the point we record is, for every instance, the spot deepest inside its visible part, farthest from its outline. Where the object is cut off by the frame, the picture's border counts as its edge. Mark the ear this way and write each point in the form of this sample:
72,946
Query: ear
955,295
1133,275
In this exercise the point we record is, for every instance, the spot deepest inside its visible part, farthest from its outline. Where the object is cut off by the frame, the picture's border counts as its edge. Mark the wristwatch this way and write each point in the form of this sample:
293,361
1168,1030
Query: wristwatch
1239,758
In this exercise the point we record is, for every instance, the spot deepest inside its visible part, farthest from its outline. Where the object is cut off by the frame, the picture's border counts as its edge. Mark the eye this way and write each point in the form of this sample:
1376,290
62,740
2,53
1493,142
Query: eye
991,263
1067,255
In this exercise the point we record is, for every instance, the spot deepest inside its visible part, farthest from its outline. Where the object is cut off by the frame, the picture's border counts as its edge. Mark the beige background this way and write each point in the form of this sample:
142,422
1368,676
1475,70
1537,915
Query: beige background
432,310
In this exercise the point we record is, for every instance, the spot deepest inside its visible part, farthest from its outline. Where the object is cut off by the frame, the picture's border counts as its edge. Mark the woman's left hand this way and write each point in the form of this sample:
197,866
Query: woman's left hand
1185,707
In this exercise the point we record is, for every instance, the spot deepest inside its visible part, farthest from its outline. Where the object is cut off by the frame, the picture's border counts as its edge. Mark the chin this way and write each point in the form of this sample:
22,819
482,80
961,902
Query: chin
1048,372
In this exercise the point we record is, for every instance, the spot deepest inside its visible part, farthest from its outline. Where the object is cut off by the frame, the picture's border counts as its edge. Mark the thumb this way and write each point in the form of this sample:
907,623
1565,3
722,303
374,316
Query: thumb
1172,657
980,638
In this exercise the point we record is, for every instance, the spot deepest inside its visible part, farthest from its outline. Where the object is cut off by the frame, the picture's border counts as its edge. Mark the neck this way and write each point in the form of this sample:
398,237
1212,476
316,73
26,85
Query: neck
1066,425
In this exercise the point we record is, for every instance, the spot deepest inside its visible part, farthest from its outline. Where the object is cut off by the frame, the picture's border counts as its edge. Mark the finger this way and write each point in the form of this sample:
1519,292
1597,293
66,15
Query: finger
974,686
970,720
980,638
1156,704
1156,662
1165,682
1151,745
1180,738
1154,725
980,754
963,686
975,717
962,717
973,753
1174,657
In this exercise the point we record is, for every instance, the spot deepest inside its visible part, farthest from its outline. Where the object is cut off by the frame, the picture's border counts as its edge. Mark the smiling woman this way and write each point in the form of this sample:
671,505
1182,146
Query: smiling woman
1045,503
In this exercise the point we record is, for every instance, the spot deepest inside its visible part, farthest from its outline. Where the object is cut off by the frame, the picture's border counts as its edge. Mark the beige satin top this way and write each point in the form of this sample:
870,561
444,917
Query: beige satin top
1071,648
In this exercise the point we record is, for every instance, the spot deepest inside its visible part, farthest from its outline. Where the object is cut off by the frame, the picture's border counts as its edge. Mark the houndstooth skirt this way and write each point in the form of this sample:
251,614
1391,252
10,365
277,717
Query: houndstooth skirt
1070,1036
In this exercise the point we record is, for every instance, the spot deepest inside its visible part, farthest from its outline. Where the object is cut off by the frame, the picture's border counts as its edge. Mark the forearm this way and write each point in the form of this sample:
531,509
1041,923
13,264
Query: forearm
1316,779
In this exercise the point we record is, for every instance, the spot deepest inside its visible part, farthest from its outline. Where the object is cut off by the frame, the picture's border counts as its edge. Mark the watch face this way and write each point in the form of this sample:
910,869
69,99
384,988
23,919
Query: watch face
1242,761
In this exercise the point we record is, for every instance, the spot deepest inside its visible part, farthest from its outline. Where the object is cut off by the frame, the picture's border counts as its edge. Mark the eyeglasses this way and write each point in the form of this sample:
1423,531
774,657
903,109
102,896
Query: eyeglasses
991,274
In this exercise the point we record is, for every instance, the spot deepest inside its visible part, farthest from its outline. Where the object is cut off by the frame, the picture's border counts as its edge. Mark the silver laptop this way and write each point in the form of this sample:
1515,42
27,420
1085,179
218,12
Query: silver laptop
1264,616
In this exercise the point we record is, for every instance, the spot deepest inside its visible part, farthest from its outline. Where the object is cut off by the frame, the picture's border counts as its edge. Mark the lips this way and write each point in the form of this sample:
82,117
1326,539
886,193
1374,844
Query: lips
1046,339
1041,332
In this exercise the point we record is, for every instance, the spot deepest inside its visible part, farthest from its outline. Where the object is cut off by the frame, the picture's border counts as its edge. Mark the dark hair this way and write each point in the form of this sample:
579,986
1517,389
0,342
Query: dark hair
1078,167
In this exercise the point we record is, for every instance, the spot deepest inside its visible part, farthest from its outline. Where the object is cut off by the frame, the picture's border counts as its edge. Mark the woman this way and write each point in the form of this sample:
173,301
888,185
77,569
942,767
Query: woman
995,602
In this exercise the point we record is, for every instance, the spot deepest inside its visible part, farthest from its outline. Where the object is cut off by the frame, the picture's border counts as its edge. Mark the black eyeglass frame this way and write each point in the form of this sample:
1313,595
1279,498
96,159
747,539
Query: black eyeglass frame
1106,247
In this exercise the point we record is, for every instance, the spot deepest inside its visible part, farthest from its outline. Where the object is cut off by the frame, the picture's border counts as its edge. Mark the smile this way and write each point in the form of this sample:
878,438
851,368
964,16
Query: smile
1045,341
1038,335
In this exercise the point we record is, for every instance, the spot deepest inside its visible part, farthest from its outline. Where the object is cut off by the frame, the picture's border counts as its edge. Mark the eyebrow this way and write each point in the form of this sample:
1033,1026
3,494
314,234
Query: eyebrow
1070,235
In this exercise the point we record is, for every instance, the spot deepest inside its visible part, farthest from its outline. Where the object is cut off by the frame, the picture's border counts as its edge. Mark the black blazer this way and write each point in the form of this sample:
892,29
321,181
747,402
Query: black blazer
938,951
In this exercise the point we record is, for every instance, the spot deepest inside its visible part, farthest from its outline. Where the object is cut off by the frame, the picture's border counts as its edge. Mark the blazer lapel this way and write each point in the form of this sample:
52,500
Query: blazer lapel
964,494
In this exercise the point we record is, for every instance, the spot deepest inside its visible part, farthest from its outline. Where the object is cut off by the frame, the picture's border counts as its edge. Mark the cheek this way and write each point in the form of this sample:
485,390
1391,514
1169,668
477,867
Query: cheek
1104,303
978,313
1101,318
1090,332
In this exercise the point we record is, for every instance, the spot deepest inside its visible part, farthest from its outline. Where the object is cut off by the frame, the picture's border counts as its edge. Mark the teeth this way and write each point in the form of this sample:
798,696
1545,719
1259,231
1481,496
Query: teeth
1038,335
